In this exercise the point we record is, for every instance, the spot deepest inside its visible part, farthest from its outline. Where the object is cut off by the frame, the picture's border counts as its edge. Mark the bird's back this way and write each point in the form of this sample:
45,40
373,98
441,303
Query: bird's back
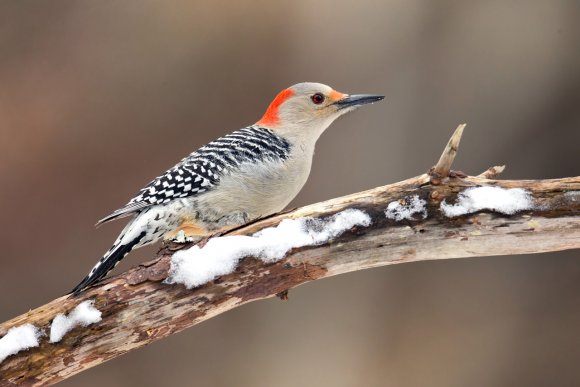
203,170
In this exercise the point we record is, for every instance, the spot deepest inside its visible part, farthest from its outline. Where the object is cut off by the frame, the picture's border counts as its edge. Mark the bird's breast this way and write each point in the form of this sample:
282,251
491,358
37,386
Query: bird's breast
255,189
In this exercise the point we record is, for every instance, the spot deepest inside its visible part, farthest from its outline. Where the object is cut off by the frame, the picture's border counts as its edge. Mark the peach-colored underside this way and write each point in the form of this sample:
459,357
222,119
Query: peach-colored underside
189,228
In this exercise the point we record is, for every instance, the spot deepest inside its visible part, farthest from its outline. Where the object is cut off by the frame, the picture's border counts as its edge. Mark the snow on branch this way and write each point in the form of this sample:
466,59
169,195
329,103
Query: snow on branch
497,199
439,215
22,337
83,315
18,339
220,256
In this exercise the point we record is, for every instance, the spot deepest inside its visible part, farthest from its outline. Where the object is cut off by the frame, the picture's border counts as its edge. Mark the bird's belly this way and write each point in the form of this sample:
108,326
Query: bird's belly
250,192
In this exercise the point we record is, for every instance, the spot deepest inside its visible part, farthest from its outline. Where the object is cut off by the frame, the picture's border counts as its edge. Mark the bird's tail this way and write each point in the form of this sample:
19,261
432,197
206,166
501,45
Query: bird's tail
111,258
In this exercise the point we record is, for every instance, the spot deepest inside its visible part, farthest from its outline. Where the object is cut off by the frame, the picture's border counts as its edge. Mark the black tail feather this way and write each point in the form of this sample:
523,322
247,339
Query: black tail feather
111,259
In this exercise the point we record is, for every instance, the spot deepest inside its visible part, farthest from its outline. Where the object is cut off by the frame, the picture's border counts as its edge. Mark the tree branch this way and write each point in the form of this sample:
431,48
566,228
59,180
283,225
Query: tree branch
138,308
443,166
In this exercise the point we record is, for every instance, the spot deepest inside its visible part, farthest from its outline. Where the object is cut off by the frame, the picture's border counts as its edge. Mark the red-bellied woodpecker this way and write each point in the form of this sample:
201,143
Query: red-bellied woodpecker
247,174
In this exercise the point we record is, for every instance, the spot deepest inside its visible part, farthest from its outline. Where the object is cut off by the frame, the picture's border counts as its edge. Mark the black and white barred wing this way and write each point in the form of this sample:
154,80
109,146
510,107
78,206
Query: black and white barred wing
201,170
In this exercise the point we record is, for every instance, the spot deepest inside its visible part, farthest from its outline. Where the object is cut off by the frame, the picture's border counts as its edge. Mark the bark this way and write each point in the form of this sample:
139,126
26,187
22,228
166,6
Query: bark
138,308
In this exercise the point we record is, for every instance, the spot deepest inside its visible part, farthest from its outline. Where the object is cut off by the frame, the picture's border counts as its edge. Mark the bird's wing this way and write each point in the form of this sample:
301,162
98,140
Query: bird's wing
187,178
201,170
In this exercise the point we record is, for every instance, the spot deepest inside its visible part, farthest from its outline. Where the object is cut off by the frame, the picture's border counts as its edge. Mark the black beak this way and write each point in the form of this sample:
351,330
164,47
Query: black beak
358,99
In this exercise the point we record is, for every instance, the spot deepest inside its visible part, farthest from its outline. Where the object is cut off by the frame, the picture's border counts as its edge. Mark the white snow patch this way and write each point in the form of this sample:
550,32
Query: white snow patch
83,314
506,201
18,339
196,266
414,205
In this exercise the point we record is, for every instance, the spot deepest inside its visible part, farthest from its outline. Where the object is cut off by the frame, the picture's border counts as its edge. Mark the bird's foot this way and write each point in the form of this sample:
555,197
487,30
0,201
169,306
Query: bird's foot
181,238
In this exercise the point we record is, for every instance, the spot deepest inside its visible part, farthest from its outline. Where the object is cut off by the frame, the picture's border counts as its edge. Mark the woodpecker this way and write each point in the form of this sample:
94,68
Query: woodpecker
250,173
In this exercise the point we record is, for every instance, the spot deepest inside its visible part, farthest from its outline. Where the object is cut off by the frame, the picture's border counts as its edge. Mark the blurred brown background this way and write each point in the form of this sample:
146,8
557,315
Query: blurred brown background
98,97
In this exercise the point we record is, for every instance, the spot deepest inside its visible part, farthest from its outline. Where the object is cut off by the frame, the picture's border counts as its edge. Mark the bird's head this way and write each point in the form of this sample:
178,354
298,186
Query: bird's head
305,110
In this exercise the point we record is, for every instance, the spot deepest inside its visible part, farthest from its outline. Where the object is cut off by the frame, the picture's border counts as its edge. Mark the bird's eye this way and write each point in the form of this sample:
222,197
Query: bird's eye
317,98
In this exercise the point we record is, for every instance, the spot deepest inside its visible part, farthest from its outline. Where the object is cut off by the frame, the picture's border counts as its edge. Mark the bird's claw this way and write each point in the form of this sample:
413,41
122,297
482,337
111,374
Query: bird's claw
181,238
